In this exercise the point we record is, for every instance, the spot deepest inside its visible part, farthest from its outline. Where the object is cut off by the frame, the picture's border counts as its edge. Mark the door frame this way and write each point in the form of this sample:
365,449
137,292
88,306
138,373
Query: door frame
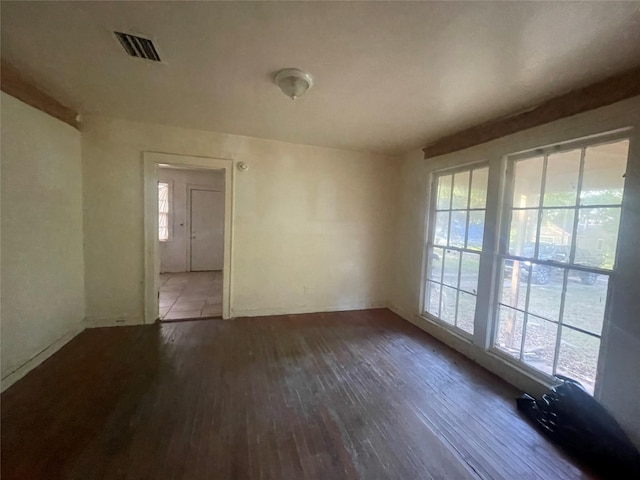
151,162
190,188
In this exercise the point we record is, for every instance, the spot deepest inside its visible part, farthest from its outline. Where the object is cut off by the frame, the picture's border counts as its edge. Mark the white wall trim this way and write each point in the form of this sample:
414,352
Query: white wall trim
151,161
15,375
122,320
265,312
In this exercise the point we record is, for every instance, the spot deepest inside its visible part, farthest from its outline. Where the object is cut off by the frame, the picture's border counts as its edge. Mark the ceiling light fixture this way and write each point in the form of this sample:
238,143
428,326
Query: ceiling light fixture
294,82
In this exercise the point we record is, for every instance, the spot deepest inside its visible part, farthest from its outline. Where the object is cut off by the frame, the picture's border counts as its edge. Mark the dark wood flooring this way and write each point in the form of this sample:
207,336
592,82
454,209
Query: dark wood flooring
351,395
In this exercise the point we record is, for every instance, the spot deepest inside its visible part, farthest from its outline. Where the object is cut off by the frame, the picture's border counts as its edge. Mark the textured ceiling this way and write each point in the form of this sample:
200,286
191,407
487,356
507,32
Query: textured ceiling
390,76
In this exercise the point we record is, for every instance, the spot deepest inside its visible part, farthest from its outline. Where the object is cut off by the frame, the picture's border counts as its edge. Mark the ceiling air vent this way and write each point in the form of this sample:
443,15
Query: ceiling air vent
138,46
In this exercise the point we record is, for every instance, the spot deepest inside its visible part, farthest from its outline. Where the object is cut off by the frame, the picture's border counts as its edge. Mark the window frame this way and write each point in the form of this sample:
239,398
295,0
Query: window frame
502,254
430,237
498,209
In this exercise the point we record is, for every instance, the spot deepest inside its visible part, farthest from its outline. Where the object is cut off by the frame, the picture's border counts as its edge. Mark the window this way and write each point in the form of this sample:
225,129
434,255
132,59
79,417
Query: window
562,235
163,211
455,245
552,260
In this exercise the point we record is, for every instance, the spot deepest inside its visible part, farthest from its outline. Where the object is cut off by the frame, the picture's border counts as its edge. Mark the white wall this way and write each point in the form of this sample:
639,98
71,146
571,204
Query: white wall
619,381
42,263
173,254
311,225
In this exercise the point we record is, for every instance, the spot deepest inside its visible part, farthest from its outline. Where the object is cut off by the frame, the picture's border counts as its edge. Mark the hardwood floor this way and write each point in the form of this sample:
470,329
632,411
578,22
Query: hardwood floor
350,395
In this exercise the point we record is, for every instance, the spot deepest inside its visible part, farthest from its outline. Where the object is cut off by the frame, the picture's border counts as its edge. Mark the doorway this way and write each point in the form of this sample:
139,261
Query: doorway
191,240
187,237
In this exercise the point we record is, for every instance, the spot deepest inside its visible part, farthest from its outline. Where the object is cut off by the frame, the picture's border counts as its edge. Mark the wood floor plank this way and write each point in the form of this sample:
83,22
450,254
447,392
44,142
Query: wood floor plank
346,395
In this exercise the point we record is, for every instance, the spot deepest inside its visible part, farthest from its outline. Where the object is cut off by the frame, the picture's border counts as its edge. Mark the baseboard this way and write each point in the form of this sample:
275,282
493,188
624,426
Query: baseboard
122,320
519,378
40,357
264,312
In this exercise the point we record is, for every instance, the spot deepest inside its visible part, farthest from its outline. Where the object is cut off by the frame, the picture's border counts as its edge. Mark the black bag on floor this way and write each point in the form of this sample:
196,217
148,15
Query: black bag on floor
573,419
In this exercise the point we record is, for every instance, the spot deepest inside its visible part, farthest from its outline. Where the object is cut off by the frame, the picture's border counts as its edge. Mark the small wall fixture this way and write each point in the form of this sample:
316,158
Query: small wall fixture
243,167
294,82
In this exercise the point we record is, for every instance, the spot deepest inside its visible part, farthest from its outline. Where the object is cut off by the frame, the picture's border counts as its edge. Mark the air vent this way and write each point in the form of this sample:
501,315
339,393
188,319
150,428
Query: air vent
138,46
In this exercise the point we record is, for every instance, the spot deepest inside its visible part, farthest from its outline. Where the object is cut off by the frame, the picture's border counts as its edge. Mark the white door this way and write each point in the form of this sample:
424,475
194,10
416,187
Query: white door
207,230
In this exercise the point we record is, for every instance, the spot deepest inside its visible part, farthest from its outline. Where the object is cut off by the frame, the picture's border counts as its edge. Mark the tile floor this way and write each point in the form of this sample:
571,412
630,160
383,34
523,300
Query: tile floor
190,295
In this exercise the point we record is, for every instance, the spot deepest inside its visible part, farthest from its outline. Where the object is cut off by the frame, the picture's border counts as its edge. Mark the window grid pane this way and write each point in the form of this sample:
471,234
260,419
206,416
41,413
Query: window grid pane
550,315
455,243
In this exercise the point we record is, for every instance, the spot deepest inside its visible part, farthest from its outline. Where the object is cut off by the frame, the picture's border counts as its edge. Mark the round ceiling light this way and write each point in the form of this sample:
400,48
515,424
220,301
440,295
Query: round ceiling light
294,82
